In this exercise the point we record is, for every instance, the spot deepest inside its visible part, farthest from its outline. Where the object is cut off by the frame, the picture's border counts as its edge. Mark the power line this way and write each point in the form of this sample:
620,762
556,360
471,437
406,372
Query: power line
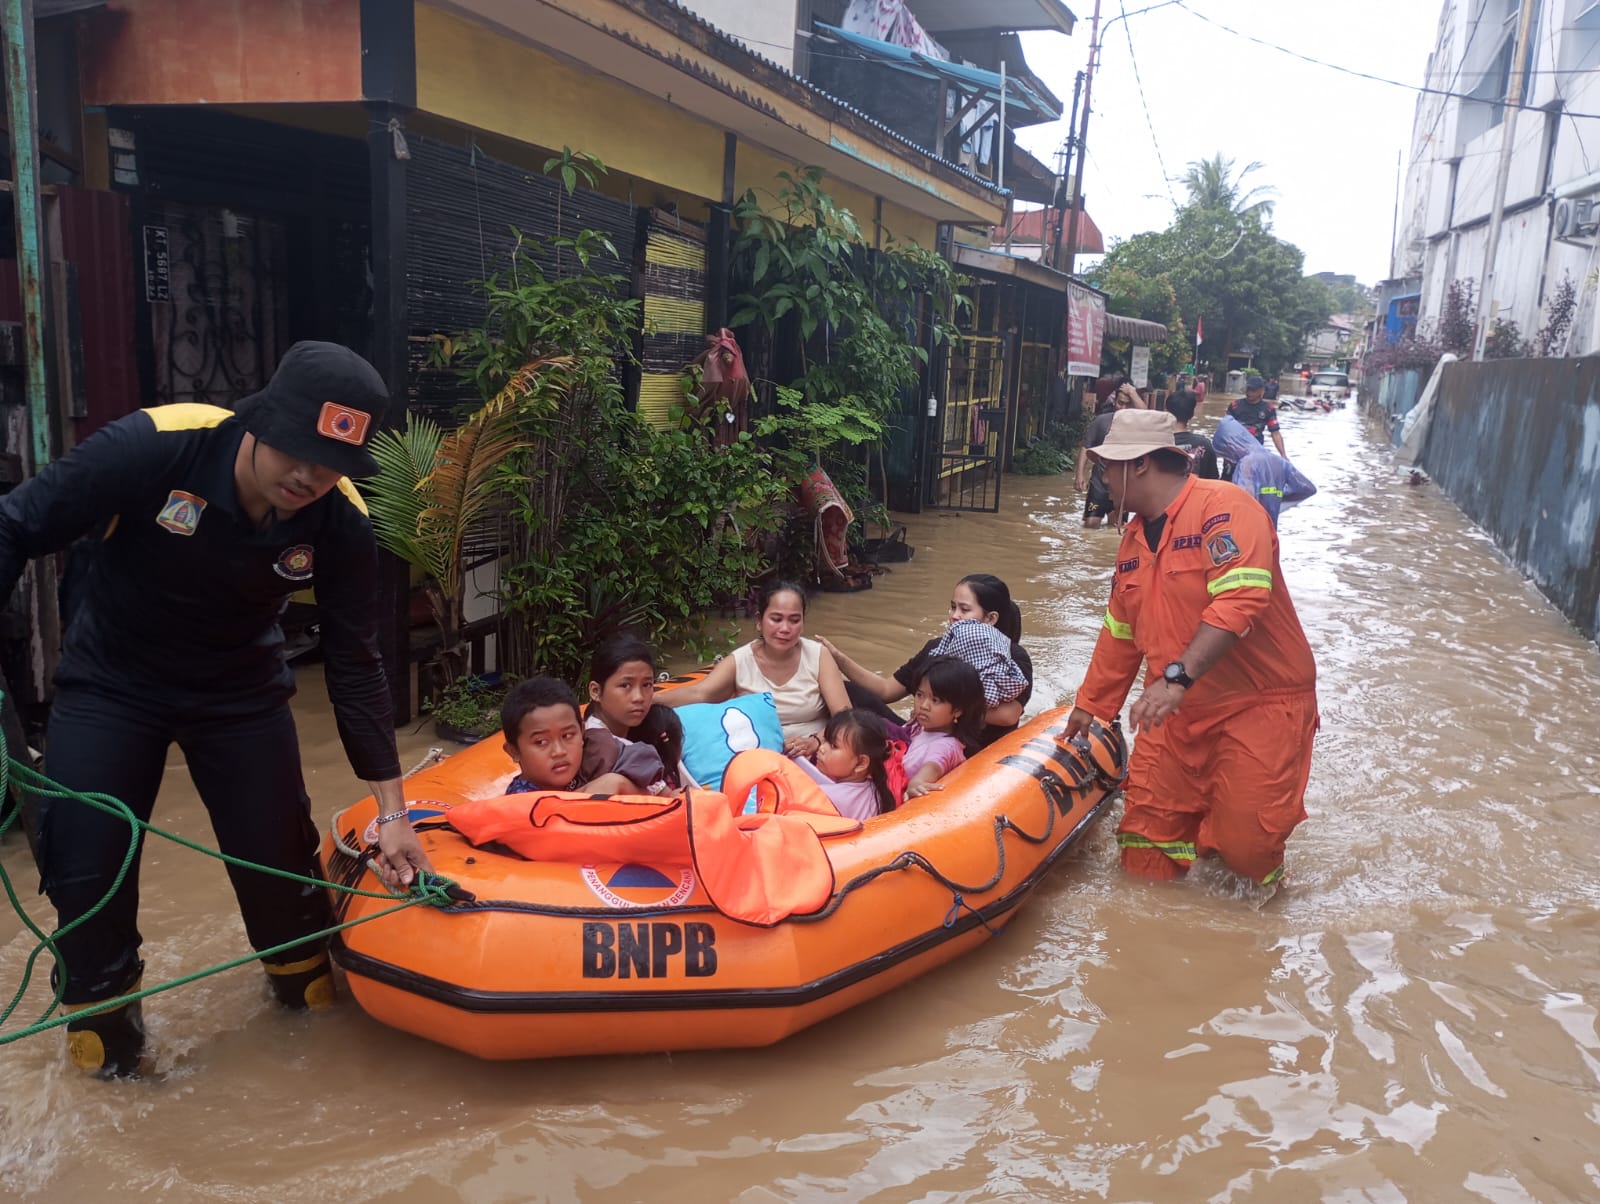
1154,141
1577,130
1378,79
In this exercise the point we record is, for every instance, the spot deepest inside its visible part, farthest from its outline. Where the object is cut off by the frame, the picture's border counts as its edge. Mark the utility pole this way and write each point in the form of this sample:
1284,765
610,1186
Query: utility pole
1394,230
22,112
1051,254
1076,197
1519,66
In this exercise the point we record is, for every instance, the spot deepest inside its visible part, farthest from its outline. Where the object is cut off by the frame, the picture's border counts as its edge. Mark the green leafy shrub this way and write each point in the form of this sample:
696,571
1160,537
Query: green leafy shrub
843,313
471,705
608,523
1041,459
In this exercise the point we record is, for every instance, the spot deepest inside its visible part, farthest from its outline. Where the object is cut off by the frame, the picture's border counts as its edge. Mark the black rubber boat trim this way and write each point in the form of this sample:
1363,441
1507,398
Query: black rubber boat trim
539,1002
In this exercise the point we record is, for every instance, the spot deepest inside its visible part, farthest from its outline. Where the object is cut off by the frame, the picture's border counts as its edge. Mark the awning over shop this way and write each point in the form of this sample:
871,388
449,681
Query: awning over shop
1135,330
1017,267
995,263
949,16
1024,106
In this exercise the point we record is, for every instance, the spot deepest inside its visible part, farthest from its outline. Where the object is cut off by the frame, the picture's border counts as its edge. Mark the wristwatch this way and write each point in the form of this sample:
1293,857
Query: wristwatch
1175,674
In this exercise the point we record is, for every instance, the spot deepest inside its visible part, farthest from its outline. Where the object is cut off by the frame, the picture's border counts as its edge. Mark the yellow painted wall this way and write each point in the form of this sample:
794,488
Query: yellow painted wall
653,151
910,227
615,183
467,73
756,168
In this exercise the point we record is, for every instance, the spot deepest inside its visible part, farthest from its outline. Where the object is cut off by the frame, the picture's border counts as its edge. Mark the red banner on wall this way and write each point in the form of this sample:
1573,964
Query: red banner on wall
1086,330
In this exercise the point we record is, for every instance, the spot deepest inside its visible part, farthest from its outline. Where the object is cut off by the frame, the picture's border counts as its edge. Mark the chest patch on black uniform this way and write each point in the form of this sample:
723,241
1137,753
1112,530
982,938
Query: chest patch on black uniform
295,564
181,514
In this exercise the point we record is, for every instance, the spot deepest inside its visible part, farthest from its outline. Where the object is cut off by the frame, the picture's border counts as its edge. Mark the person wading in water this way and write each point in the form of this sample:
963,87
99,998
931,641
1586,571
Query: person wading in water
200,522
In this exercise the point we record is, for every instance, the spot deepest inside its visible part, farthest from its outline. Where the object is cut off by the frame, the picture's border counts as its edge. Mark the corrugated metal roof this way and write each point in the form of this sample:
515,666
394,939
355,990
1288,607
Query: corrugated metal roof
949,16
1018,94
1034,225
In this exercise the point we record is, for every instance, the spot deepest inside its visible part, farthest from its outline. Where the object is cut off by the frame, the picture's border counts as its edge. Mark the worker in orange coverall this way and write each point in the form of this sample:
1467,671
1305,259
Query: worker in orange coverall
1229,708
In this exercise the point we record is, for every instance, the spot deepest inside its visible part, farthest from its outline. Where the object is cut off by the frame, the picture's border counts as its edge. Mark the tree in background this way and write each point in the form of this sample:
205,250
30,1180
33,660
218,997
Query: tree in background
1213,184
1353,299
1458,323
1153,299
1222,261
1552,336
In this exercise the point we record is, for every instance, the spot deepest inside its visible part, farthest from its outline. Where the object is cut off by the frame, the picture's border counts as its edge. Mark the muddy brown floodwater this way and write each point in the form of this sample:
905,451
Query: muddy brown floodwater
1412,1019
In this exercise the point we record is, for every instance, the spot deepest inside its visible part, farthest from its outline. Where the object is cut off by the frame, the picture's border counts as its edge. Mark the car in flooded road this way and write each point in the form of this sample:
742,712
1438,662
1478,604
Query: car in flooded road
1329,385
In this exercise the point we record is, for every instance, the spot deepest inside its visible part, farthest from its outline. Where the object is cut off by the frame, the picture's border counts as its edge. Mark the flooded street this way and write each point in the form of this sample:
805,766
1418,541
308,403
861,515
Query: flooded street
1413,1018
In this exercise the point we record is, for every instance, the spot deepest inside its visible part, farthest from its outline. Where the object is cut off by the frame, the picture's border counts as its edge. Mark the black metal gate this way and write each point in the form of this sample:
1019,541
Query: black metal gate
215,281
970,429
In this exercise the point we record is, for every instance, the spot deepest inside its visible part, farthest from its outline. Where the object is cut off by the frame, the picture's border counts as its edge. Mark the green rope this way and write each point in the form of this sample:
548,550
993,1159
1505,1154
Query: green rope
425,888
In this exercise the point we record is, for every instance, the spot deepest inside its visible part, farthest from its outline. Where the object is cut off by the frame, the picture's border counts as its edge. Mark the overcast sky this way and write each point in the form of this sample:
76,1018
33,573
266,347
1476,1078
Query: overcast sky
1327,141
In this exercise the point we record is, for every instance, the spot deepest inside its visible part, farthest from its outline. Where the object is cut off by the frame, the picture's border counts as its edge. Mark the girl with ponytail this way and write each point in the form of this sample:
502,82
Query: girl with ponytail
853,763
980,597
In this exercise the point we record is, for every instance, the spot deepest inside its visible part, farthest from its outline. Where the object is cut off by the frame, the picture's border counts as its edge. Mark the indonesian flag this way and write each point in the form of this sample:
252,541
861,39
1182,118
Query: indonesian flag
1199,330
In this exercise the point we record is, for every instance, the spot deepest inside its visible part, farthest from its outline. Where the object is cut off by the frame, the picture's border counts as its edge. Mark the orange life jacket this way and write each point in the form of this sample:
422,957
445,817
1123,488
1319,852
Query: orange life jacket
759,868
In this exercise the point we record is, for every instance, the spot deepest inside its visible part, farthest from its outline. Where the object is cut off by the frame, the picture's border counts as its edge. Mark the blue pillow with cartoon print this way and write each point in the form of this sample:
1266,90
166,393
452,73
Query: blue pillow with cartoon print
714,731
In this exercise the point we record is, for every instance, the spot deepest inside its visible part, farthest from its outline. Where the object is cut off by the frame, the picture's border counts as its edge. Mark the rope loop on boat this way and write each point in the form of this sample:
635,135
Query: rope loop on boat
959,904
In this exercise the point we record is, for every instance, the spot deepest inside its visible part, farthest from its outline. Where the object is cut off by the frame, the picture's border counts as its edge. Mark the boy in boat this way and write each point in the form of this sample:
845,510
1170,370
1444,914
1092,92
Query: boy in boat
545,736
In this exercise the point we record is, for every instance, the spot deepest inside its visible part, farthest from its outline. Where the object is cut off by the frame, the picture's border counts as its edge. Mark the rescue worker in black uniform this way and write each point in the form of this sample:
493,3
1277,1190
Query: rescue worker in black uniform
1258,415
198,523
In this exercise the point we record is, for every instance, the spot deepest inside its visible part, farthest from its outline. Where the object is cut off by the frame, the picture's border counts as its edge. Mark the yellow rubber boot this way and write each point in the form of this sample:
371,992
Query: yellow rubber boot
303,985
108,1044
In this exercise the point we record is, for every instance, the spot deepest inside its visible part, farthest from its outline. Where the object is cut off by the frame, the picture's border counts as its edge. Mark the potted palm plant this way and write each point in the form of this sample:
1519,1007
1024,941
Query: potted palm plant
437,490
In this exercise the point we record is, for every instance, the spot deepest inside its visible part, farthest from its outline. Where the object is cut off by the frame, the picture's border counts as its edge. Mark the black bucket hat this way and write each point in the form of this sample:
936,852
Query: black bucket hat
322,405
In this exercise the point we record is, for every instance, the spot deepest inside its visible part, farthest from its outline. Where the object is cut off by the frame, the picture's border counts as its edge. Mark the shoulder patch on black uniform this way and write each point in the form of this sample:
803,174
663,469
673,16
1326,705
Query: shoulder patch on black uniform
352,494
180,514
187,416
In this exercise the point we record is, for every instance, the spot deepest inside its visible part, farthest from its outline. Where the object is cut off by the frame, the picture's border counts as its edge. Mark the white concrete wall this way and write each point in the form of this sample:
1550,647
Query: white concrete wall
479,601
1443,229
766,26
1519,263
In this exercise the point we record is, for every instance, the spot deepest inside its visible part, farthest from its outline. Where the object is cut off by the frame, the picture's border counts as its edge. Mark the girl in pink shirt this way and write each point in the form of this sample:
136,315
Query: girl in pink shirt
946,722
852,764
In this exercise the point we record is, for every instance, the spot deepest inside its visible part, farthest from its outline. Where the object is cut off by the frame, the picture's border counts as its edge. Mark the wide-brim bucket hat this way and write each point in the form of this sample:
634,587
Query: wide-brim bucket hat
323,405
1136,433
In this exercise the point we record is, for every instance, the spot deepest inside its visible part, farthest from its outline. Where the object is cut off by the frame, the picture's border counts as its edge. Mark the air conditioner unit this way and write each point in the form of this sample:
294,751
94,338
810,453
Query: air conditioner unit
1574,219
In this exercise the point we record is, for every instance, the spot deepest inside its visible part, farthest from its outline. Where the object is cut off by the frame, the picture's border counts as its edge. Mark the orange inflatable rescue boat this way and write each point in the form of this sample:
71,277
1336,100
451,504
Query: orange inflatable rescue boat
639,924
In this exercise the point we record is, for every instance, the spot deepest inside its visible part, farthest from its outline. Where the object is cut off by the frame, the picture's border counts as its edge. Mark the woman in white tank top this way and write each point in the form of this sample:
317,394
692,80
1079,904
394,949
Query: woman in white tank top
799,673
